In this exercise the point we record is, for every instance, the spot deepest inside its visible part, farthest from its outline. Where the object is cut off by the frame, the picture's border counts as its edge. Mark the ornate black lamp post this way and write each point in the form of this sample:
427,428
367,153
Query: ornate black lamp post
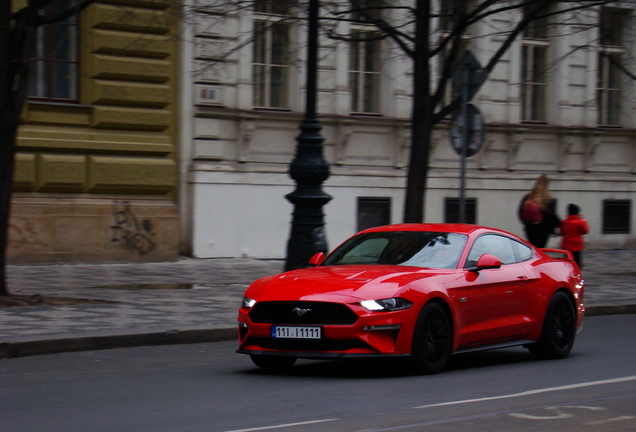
309,168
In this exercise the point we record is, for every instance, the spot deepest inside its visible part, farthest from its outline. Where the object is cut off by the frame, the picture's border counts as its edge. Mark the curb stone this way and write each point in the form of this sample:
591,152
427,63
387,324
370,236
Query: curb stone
176,337
57,346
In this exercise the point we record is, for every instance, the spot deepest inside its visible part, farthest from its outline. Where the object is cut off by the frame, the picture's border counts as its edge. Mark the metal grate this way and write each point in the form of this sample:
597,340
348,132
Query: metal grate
307,345
302,312
616,216
451,210
373,212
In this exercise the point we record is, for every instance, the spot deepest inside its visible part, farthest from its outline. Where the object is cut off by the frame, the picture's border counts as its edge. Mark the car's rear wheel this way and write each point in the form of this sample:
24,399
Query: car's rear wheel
559,329
431,340
273,363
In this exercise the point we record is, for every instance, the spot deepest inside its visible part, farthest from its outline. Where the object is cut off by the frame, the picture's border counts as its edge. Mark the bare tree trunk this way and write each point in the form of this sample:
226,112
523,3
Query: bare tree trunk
422,121
17,33
15,42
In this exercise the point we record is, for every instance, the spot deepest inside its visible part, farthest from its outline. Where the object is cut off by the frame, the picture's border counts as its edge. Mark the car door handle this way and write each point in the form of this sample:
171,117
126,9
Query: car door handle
523,279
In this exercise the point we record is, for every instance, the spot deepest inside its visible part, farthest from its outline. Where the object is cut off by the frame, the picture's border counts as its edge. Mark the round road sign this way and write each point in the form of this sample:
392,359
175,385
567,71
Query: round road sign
475,125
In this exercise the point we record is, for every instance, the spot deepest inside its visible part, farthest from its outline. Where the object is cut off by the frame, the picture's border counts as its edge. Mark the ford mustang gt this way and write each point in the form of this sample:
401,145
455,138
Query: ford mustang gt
425,291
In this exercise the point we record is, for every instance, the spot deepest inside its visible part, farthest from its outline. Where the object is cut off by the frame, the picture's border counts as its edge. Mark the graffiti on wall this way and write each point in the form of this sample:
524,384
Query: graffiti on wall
130,232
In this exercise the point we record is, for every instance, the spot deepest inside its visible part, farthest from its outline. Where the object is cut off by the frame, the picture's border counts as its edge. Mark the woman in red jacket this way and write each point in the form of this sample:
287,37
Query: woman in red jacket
573,228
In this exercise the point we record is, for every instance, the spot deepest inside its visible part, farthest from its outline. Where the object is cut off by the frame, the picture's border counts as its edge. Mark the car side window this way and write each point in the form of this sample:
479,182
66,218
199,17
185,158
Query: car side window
523,252
496,245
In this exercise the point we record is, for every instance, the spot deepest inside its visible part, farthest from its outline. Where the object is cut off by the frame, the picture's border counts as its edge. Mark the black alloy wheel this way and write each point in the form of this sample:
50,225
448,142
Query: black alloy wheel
559,329
431,340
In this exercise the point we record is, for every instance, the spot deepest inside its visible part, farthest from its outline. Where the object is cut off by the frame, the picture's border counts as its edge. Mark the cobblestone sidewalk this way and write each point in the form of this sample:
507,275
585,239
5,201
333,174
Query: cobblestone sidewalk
204,295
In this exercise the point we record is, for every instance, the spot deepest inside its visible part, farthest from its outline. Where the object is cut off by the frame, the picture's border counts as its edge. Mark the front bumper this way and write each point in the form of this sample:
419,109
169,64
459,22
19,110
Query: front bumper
372,335
316,355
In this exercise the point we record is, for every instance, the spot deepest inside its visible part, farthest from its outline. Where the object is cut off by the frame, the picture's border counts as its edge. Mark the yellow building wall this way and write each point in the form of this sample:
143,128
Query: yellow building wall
96,181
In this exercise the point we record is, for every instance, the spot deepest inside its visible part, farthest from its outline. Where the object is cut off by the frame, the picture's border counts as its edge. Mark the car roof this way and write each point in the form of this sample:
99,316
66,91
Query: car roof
435,227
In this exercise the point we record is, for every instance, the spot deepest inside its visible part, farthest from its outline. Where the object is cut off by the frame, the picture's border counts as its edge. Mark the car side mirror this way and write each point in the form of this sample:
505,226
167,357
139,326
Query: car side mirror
317,259
486,261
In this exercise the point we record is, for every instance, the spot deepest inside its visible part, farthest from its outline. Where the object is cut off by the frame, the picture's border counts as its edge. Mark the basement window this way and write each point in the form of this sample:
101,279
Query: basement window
617,216
373,211
451,210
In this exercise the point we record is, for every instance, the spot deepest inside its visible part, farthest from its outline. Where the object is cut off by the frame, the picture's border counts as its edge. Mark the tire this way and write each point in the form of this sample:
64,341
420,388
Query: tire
273,363
431,340
559,329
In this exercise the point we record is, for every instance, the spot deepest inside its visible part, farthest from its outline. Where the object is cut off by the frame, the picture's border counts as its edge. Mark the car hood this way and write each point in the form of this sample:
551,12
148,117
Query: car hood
339,283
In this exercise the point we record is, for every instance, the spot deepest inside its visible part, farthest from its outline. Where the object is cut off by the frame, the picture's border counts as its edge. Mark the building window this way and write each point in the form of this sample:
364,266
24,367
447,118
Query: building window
451,14
616,216
611,50
271,56
274,7
451,92
533,82
366,10
451,210
54,66
534,54
365,72
373,212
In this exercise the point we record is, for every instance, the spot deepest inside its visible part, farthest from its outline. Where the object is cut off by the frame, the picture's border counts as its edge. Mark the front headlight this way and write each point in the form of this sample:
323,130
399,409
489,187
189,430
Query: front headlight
386,305
248,302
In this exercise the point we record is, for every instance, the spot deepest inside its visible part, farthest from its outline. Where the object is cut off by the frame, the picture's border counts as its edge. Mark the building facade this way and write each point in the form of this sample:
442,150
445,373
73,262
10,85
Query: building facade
555,104
96,176
150,133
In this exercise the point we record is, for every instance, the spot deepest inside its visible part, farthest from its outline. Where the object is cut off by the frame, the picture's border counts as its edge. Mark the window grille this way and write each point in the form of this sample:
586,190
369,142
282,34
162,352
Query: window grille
451,210
617,216
373,211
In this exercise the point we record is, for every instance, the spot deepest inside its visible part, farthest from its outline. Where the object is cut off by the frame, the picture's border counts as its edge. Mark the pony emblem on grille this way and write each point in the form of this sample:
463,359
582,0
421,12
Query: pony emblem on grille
300,312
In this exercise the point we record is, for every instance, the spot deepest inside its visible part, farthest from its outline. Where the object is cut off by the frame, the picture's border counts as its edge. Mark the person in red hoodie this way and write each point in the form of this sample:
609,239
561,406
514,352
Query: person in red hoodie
573,228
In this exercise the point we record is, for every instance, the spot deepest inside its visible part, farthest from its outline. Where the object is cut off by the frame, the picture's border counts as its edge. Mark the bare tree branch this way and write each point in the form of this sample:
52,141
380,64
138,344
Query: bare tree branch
42,20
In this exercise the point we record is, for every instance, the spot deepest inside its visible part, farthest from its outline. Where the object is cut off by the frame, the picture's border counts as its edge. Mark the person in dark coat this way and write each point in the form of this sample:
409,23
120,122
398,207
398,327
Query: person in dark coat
538,232
532,218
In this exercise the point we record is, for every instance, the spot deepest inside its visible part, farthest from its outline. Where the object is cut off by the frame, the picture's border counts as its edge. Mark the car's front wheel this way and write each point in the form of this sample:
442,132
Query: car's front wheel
559,329
273,363
431,340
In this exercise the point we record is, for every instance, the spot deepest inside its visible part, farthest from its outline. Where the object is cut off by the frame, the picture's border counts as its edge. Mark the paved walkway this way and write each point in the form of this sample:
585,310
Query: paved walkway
194,300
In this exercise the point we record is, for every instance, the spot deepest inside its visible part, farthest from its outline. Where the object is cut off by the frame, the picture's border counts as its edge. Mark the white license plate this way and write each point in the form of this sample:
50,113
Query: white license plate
293,332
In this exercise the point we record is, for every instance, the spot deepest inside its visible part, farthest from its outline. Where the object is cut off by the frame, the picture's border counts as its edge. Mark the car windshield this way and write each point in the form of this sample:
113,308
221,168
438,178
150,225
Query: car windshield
408,248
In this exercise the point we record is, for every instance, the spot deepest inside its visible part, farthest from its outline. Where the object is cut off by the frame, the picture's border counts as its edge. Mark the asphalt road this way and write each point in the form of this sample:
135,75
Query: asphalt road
210,388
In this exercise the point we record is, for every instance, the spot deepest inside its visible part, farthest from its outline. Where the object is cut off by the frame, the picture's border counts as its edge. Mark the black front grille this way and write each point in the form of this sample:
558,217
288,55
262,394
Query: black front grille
302,312
307,344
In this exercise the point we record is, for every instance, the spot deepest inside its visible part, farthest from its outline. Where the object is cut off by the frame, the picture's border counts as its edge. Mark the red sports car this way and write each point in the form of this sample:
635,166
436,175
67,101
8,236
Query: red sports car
421,290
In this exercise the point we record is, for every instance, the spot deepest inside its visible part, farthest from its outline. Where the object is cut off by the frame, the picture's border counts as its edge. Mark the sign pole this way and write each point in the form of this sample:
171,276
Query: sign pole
465,137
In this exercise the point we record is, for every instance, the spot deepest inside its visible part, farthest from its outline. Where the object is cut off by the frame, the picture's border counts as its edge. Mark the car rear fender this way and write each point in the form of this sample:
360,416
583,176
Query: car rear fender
536,334
579,308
